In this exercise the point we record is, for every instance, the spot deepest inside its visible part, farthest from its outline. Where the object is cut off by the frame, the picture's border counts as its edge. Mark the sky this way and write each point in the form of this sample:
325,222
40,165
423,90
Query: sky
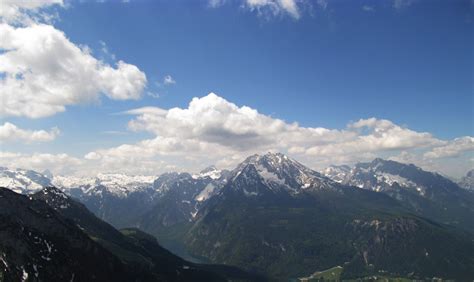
144,87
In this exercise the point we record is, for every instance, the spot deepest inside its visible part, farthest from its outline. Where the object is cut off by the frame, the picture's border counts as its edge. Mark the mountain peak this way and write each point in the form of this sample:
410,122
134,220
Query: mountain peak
337,173
388,175
23,181
277,171
378,161
467,182
268,157
210,171
272,161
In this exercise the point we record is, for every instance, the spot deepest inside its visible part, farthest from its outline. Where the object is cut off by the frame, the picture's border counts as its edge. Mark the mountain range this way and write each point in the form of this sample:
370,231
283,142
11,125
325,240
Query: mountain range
425,193
275,216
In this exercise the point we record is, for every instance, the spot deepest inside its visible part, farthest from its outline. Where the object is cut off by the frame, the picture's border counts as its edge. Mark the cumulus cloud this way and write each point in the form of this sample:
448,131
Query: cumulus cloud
385,135
213,119
10,132
210,119
452,148
214,130
43,72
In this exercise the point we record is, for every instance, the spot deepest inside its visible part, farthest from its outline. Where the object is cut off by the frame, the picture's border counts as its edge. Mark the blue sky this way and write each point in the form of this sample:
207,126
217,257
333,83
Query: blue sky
341,64
329,65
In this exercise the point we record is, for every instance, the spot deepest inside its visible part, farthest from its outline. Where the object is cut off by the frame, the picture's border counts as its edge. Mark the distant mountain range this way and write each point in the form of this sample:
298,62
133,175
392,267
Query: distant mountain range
276,216
425,193
23,181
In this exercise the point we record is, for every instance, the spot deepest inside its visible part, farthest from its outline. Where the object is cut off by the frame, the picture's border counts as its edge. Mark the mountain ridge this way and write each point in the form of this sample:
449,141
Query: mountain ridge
127,255
428,194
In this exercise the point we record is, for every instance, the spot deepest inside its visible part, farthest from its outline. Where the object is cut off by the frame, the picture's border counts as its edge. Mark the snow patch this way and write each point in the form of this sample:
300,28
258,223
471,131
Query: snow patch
249,194
206,192
269,176
24,276
119,185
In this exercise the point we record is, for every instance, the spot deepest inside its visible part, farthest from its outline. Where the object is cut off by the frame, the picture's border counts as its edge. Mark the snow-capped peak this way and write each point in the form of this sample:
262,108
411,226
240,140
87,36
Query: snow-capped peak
273,159
118,184
467,182
381,175
211,172
278,171
336,172
207,192
23,181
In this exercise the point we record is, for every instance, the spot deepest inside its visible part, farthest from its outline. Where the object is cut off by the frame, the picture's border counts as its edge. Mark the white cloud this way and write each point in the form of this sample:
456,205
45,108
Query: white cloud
210,119
169,80
451,149
92,156
214,130
26,11
146,110
44,72
455,166
215,120
57,163
290,7
10,132
267,8
385,135
274,7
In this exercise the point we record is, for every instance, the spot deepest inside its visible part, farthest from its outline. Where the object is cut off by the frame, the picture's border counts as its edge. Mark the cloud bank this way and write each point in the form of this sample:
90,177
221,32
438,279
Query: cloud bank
212,130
